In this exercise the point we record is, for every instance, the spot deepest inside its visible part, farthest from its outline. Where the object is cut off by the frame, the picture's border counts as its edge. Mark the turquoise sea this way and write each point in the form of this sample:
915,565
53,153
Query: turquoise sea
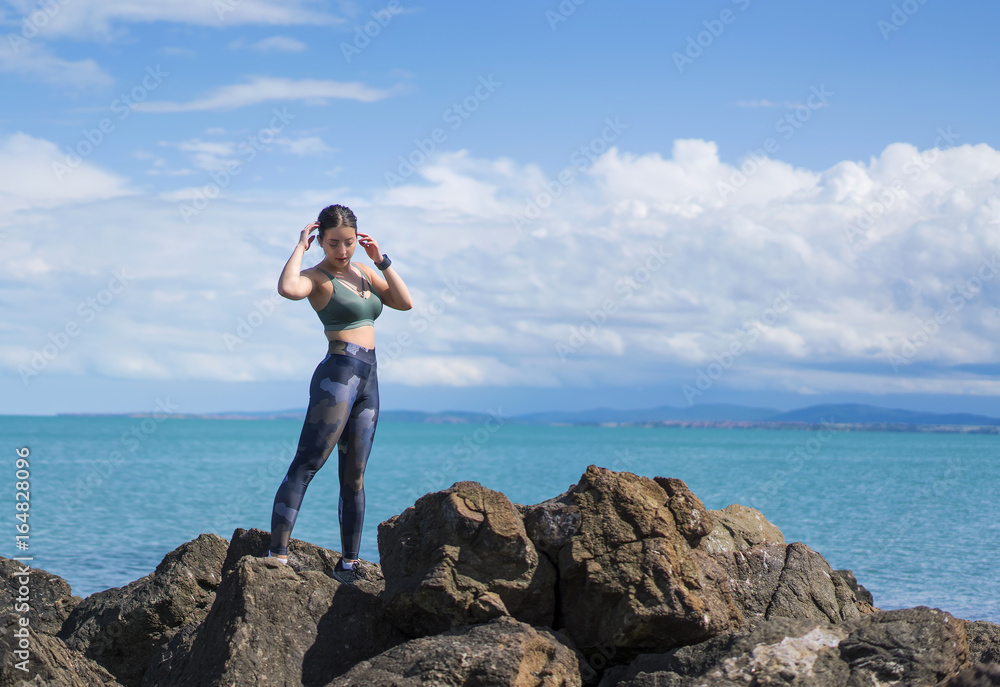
915,516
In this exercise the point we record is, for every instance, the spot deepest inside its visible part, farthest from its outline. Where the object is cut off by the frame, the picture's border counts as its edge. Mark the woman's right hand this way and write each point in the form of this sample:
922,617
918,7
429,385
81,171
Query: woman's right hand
305,240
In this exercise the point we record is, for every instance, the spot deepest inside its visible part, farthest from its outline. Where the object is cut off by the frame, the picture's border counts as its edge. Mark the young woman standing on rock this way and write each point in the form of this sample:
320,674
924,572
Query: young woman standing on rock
343,393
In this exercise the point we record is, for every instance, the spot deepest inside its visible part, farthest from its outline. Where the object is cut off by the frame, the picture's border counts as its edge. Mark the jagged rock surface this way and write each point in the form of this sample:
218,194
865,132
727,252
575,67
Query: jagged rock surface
45,659
460,557
123,627
737,528
913,647
984,641
271,625
628,573
987,675
502,652
302,555
51,599
652,588
51,663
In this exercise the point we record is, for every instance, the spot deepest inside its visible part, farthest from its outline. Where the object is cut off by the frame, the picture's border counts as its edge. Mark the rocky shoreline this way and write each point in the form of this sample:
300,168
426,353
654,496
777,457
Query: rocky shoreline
620,580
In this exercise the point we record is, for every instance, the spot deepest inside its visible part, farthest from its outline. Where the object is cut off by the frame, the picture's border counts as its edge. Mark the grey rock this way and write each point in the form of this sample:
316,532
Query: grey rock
123,627
50,598
977,676
808,589
736,528
863,595
501,652
793,581
461,556
782,651
912,646
302,555
47,663
984,641
271,625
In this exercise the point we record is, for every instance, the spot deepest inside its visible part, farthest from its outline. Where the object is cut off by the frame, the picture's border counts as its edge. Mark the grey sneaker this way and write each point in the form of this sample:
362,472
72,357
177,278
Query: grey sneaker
348,575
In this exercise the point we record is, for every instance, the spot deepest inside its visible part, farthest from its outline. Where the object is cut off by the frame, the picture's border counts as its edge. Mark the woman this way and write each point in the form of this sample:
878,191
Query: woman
343,394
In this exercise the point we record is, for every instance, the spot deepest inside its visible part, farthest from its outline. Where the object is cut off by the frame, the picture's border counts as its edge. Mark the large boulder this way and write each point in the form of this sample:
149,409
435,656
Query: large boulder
123,627
461,556
48,663
271,625
771,579
502,652
915,647
911,646
631,575
49,599
783,651
34,604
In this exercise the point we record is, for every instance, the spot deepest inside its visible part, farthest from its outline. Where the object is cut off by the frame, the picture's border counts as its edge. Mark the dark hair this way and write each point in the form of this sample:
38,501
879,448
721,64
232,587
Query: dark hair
334,216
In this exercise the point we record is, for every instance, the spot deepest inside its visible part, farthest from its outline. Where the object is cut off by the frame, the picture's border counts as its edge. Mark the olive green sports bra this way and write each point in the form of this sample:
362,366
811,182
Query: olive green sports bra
348,310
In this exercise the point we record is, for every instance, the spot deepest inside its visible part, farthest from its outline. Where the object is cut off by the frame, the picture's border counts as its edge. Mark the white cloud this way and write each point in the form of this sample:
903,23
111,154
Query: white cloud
307,145
272,44
261,89
37,174
33,59
89,19
771,266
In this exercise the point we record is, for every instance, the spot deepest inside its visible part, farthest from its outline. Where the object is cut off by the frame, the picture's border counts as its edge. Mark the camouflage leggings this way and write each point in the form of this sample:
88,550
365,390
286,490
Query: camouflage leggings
343,412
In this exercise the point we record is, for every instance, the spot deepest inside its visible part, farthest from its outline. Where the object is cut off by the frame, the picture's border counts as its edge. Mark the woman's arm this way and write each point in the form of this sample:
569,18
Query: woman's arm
292,284
391,290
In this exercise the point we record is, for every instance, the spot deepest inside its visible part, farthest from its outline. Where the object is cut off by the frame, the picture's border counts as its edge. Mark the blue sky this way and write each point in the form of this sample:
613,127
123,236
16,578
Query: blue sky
592,204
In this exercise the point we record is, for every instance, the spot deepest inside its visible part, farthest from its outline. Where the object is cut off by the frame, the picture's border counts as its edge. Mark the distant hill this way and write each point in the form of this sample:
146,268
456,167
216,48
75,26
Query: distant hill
860,413
709,414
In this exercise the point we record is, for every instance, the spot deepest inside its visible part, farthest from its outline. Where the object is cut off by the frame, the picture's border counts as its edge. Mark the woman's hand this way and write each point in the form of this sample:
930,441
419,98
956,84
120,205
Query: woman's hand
370,246
305,240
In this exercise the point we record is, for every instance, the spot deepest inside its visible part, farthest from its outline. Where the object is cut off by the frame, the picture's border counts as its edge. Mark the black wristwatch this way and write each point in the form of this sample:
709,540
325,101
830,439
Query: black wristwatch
385,262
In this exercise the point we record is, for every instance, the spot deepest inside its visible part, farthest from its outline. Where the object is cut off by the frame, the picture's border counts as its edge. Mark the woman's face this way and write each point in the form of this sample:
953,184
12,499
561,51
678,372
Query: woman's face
339,244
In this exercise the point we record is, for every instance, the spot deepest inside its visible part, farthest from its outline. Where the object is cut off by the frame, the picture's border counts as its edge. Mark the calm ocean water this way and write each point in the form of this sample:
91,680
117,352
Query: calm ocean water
916,516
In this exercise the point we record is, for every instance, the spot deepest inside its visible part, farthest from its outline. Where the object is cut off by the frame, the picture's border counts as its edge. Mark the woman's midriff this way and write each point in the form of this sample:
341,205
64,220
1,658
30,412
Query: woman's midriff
362,336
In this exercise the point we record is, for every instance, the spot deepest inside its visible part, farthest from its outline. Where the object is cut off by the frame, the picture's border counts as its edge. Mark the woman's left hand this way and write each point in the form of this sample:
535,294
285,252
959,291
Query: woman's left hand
370,246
